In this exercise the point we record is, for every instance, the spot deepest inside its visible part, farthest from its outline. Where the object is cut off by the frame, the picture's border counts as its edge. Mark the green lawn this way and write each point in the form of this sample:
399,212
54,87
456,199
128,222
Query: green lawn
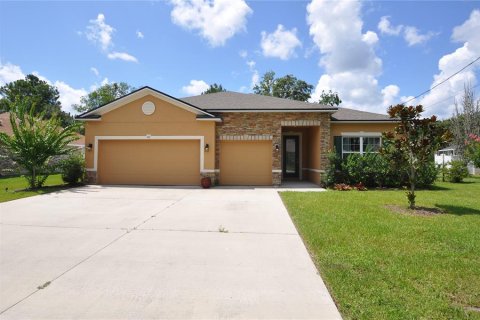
16,186
383,265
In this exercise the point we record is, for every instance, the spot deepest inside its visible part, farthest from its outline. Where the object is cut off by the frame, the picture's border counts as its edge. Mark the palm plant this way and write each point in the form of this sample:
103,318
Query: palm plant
36,140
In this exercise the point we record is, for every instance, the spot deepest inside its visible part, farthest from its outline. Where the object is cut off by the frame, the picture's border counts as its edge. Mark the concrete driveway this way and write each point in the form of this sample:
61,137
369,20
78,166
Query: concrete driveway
142,253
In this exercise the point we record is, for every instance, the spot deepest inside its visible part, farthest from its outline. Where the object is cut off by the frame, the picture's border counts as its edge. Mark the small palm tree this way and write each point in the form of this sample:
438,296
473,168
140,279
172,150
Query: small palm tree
36,140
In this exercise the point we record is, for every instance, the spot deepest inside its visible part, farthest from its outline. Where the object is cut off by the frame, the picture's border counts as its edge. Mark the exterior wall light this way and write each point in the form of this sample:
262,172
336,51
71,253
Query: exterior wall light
277,147
207,147
89,147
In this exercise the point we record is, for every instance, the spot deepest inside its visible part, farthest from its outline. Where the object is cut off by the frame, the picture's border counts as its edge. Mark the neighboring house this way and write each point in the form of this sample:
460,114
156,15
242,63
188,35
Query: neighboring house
446,155
150,138
10,167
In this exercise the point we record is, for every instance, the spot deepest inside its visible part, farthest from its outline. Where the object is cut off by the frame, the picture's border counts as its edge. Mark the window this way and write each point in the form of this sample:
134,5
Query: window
359,145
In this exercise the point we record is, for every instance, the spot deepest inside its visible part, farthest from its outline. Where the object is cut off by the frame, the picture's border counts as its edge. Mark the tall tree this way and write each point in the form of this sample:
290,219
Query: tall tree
43,96
412,143
214,88
465,120
330,98
103,95
36,140
288,87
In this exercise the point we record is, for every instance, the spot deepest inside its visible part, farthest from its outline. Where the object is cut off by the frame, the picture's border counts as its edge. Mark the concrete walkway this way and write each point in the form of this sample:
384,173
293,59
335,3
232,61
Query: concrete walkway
149,253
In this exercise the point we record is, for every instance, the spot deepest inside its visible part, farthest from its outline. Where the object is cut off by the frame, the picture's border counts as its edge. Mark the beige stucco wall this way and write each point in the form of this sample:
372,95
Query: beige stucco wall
167,120
338,128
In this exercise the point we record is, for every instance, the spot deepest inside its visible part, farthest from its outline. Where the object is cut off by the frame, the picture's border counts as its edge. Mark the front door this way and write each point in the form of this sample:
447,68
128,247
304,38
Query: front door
291,165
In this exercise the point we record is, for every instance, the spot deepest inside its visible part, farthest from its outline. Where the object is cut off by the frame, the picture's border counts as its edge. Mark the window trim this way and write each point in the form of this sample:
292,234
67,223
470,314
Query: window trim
359,135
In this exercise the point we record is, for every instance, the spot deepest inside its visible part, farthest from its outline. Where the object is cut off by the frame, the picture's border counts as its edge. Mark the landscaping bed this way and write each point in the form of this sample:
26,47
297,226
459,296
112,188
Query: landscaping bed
379,263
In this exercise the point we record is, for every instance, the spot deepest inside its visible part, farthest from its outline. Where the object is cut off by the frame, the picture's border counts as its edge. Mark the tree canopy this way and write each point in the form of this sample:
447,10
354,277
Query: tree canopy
330,98
412,143
103,95
43,97
214,88
36,139
288,87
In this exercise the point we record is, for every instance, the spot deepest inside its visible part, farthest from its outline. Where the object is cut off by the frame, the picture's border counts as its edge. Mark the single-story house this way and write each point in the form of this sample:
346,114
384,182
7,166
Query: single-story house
148,137
444,156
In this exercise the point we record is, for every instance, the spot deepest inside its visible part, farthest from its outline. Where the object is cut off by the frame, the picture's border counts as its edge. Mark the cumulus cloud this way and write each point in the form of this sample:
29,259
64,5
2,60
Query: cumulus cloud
215,20
348,55
440,101
410,34
386,27
280,44
10,72
195,87
121,56
101,34
68,95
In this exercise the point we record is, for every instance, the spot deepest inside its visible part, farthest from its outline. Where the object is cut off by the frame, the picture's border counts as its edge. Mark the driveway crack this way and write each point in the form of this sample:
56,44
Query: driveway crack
127,231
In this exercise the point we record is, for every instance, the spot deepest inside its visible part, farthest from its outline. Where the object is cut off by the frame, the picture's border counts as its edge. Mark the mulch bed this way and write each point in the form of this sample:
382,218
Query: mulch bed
418,211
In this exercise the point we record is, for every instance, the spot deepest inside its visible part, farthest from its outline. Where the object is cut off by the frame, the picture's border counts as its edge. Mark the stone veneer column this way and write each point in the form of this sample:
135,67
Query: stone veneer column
91,177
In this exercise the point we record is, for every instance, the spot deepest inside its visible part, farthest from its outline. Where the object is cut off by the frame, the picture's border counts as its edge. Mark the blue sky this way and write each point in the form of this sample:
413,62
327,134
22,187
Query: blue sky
373,53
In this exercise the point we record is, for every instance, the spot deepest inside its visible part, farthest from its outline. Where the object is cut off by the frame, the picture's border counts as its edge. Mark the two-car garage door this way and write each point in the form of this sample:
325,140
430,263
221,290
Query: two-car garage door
177,162
149,162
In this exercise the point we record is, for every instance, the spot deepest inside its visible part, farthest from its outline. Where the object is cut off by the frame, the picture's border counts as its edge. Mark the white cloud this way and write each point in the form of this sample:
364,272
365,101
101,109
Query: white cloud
95,71
100,33
215,20
255,79
280,44
68,95
390,94
440,101
140,35
370,38
386,27
10,72
195,87
348,56
413,37
243,54
121,56
411,34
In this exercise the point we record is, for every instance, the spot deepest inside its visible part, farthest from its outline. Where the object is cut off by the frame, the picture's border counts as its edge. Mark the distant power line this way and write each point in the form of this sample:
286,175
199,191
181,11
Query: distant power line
443,81
452,96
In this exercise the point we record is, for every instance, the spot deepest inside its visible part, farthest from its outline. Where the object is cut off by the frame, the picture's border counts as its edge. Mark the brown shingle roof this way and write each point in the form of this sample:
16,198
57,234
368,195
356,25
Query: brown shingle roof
249,102
5,125
345,114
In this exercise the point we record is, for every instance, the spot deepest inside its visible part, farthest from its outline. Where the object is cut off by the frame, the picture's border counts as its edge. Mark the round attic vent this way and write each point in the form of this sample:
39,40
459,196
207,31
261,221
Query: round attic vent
148,108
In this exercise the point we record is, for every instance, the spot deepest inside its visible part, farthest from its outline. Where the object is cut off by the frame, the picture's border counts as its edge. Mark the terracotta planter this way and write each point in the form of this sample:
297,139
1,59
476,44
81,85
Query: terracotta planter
206,182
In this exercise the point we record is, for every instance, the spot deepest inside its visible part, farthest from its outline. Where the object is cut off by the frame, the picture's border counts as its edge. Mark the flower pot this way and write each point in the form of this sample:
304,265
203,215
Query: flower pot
206,182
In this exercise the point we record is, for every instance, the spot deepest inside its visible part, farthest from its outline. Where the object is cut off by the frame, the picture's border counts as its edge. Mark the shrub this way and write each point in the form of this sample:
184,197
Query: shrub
457,172
427,174
333,173
374,170
73,169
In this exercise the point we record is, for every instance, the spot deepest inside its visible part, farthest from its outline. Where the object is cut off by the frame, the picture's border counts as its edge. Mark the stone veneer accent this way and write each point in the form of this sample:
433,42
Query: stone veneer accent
249,125
92,177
